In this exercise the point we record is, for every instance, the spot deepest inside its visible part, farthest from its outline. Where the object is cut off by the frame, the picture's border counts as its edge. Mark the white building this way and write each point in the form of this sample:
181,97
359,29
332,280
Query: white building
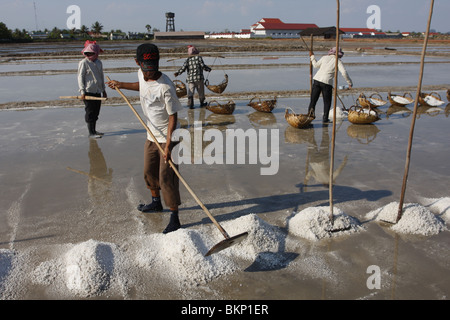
277,29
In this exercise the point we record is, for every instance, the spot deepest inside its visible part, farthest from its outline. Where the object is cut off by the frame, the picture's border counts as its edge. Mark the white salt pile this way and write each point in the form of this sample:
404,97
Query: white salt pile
377,102
416,219
439,206
401,100
89,267
314,223
86,269
6,266
433,101
340,113
11,274
179,255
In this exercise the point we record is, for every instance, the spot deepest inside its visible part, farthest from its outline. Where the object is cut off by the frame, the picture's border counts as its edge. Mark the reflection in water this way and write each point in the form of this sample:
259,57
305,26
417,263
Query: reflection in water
262,119
364,133
100,177
428,110
394,109
318,161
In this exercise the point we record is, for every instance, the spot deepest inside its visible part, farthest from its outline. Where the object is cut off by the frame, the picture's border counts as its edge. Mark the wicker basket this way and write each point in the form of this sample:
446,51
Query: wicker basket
371,101
298,120
263,106
359,115
400,100
429,100
218,108
180,88
217,88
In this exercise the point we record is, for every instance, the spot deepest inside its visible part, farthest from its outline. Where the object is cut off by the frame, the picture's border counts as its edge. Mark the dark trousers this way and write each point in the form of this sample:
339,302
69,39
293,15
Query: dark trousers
92,108
327,93
159,175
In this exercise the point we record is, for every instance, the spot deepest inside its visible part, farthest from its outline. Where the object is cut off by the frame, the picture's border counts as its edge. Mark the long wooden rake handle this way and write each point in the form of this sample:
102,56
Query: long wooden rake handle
85,98
222,230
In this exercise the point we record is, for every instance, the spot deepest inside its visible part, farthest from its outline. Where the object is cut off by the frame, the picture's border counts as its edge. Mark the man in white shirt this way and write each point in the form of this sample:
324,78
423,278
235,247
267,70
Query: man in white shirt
160,105
324,79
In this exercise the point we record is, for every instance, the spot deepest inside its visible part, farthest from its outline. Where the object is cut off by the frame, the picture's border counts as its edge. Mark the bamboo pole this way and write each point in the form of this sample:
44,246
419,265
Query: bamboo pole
85,98
413,121
333,139
311,66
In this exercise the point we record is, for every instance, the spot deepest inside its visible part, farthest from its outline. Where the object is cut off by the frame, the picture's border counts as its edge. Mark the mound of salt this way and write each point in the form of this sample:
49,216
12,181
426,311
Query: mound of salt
433,101
179,256
340,114
262,237
401,100
89,267
7,258
377,102
439,206
314,223
415,219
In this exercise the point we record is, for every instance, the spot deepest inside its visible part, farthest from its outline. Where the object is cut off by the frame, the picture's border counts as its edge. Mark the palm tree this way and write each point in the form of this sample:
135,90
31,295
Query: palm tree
149,28
97,27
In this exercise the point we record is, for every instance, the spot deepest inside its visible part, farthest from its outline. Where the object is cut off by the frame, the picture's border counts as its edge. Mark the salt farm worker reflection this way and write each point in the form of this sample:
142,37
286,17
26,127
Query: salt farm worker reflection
100,177
324,79
91,82
319,160
195,79
160,105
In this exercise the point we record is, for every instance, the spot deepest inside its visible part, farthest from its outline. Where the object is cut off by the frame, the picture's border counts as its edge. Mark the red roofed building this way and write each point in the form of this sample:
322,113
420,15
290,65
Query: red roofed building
275,28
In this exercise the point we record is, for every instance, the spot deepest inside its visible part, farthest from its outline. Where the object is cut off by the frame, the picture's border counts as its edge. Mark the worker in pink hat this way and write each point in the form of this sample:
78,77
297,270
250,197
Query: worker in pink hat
91,82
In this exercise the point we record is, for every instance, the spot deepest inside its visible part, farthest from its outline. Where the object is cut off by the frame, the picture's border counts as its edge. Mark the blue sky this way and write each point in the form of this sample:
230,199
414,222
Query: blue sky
219,15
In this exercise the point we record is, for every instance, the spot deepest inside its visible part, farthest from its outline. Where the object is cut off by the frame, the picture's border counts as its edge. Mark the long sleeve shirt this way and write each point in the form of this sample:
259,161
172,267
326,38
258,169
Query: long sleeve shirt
194,66
90,76
326,67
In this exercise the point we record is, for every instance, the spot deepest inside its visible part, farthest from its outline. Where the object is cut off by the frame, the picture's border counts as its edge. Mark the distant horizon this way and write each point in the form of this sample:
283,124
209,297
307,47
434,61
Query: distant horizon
219,16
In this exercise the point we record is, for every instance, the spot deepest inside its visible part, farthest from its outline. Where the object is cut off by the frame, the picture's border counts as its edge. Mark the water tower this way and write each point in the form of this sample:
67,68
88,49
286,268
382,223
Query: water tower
170,22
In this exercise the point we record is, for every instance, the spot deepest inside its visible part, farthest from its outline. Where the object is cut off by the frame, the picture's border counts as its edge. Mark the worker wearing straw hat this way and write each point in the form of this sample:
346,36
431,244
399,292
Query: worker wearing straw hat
195,79
323,81
160,105
91,82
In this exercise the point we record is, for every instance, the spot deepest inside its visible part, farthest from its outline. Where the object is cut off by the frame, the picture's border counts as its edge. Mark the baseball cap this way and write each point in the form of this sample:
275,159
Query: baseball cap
147,55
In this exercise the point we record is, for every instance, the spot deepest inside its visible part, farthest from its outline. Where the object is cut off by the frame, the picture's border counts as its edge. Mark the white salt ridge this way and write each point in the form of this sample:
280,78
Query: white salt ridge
439,206
89,267
416,219
179,255
314,223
